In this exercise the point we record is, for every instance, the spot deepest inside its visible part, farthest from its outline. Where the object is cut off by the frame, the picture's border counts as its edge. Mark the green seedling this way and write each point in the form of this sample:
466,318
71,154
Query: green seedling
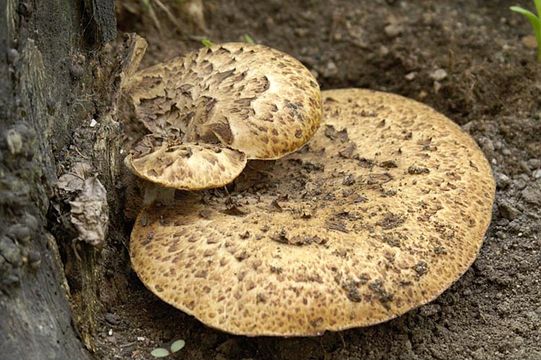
535,20
248,39
165,351
160,353
206,42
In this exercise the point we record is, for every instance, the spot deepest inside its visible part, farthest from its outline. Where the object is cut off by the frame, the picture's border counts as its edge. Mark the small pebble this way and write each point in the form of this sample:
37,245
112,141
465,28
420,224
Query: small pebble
520,183
532,195
468,126
438,75
430,310
393,30
524,165
410,76
112,319
534,164
529,41
508,211
330,70
486,144
383,50
301,32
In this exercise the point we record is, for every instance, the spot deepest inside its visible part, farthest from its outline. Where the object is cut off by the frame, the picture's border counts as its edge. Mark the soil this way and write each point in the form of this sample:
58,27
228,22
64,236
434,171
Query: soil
470,60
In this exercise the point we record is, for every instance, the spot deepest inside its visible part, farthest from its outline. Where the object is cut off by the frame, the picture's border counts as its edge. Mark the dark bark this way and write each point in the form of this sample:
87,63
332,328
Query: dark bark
48,52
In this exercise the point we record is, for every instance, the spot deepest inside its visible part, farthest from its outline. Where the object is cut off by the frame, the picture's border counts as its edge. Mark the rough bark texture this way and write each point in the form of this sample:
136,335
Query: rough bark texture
48,53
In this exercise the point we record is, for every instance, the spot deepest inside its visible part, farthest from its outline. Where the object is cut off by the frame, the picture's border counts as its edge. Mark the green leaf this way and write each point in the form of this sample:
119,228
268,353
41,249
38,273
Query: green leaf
248,39
159,353
206,42
530,15
534,20
177,345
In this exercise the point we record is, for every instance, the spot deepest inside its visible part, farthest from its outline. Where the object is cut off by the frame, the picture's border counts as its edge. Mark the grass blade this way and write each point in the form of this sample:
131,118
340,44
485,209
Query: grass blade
534,20
248,39
538,7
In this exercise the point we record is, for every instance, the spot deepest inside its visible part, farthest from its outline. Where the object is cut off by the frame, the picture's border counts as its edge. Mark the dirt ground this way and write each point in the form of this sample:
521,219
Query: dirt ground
469,60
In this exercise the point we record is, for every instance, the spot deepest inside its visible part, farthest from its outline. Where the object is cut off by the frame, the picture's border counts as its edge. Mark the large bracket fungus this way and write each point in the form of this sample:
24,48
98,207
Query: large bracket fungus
215,108
382,211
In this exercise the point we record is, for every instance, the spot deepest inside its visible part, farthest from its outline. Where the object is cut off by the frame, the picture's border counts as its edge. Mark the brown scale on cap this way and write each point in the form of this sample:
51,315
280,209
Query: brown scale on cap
250,98
384,209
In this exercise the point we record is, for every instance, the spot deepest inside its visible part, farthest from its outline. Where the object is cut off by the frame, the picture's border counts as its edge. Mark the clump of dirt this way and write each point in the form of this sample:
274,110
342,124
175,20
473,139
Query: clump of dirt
464,58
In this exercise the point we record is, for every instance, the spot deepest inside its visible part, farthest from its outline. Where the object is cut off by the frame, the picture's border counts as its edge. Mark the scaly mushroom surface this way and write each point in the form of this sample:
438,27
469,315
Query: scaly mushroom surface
226,104
381,212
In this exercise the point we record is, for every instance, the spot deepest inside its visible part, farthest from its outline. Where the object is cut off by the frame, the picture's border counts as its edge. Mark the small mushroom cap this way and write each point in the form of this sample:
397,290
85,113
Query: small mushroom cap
381,212
247,97
185,166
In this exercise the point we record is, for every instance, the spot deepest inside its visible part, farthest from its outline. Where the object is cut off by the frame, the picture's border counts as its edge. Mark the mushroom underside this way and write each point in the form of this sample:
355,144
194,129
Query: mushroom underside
381,212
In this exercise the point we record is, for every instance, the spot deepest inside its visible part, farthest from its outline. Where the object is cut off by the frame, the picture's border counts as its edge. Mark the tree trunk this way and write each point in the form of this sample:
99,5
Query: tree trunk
50,52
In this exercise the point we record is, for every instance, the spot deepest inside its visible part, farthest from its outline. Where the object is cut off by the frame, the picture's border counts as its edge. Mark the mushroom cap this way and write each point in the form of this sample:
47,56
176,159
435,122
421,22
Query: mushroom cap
381,212
185,166
247,97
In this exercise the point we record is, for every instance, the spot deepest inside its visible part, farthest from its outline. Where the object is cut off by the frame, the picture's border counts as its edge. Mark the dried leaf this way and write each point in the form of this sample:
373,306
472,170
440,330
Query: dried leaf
90,212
